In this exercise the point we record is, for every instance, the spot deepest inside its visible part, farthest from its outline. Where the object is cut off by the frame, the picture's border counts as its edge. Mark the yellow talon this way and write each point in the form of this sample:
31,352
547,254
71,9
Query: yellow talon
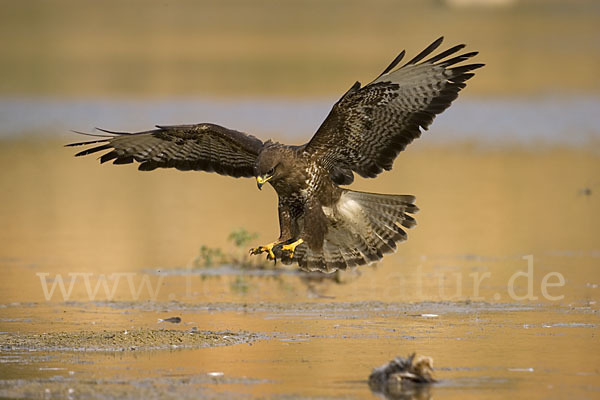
266,248
292,247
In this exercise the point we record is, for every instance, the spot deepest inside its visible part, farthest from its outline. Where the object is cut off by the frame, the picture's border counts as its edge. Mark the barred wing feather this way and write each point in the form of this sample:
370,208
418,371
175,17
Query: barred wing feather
200,147
369,126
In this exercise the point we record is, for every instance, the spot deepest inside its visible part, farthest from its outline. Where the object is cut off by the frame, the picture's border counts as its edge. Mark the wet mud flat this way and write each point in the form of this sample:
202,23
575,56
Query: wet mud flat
59,357
110,341
322,349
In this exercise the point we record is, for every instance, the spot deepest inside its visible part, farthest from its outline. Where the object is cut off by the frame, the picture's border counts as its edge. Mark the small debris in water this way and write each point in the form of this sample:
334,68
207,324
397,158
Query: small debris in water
215,374
521,369
173,320
429,315
403,377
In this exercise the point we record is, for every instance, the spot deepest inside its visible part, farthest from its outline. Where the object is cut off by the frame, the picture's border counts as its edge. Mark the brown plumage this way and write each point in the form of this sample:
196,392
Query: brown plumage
322,226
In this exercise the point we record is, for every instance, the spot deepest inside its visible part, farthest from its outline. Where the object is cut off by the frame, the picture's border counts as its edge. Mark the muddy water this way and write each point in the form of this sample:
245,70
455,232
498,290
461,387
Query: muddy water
498,283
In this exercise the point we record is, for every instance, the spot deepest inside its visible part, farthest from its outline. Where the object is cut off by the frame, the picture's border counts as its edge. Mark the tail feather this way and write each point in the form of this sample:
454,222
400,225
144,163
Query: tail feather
388,229
395,207
363,227
387,237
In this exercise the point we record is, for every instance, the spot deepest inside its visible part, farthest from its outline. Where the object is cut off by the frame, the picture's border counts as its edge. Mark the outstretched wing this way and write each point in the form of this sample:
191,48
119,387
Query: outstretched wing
201,147
369,126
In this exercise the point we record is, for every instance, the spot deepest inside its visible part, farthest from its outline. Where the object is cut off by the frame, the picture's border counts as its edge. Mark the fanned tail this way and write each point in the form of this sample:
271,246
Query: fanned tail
365,226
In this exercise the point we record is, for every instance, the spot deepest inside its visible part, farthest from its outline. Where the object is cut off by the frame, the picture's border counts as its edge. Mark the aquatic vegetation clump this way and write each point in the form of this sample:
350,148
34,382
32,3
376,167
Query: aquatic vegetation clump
236,255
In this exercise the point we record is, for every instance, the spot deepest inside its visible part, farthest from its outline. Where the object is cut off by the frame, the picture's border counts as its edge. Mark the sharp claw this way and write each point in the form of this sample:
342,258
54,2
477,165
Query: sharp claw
264,249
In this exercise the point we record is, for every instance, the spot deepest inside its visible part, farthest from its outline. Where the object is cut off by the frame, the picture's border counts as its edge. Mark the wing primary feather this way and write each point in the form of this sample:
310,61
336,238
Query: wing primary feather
123,160
458,59
425,52
108,156
90,141
85,143
456,71
92,134
398,58
164,127
463,77
93,150
444,54
114,132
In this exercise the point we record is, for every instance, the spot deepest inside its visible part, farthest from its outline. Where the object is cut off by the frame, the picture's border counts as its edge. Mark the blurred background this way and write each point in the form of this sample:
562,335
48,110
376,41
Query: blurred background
307,49
511,169
516,156
78,64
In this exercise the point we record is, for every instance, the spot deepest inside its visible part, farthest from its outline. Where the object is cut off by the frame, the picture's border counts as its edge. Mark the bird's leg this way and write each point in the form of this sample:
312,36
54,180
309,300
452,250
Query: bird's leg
290,248
268,248
288,229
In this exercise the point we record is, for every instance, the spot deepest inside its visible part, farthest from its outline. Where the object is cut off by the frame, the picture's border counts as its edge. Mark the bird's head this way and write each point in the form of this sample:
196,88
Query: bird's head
270,165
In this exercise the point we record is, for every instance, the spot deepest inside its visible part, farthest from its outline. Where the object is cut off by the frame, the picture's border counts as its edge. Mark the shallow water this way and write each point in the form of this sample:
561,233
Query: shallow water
498,283
323,350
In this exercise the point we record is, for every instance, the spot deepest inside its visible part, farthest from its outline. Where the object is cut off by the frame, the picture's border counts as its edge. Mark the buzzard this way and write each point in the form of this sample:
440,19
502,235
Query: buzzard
323,227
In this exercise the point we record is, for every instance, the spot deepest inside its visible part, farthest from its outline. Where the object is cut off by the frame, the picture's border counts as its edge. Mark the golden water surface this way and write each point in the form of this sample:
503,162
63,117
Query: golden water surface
482,211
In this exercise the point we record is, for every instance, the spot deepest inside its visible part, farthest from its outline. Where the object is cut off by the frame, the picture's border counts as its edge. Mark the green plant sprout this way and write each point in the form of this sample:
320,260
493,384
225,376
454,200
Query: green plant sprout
236,255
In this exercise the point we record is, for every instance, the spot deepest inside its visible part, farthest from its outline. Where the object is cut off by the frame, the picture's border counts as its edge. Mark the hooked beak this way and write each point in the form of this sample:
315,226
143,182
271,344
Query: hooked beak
261,180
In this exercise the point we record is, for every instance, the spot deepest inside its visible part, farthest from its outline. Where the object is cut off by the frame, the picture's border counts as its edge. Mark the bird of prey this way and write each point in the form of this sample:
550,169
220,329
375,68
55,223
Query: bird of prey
323,227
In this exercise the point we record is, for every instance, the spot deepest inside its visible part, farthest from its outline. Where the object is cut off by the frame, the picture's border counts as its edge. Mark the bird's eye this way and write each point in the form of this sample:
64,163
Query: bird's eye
271,171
